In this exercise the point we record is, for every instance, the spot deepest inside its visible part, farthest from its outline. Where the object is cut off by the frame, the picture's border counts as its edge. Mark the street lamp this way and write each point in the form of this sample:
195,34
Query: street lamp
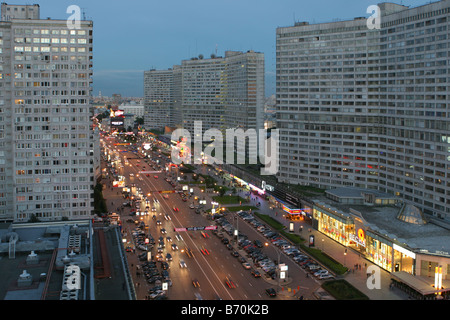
345,255
278,264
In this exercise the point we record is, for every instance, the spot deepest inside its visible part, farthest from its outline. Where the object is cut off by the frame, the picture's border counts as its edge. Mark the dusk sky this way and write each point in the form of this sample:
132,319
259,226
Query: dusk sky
133,36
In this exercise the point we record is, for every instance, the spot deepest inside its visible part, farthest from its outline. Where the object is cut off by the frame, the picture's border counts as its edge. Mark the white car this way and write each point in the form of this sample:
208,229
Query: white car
325,276
246,265
183,264
320,272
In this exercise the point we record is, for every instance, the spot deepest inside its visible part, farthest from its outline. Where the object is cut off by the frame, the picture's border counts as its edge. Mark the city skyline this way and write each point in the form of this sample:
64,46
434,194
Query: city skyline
160,33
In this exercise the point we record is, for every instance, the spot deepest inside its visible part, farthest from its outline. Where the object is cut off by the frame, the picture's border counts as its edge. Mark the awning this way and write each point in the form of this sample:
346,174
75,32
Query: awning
423,285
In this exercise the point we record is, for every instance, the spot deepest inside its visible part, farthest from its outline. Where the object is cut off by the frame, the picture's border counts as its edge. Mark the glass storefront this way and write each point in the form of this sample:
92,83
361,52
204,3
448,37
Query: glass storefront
379,250
335,226
404,260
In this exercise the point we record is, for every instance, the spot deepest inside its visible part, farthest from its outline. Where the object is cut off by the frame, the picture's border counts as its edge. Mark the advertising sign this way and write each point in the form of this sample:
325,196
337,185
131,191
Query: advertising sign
195,228
311,240
359,238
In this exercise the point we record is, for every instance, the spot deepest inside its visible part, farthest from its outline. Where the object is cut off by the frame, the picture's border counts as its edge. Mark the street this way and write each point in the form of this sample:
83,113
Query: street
212,269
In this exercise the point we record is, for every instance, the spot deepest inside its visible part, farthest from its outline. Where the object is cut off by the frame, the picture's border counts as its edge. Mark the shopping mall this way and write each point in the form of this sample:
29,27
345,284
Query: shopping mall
393,235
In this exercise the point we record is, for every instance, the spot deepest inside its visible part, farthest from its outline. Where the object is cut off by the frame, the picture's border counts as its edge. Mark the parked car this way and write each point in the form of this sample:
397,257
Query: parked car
325,276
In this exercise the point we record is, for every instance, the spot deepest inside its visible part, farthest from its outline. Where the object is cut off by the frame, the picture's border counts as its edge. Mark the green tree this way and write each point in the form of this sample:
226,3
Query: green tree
33,218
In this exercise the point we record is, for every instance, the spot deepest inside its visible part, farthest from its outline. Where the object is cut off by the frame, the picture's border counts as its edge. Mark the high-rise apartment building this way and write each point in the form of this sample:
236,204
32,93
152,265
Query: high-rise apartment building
368,107
221,92
46,139
158,98
202,96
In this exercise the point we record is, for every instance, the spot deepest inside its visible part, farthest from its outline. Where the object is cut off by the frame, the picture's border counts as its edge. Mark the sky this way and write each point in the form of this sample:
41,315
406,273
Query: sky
137,35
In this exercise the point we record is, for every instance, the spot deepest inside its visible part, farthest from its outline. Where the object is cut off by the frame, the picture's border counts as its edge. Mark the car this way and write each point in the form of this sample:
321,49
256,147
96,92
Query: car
320,272
153,209
129,249
168,257
229,283
165,196
256,274
174,247
325,276
167,217
195,283
158,222
163,231
183,264
169,239
234,253
179,237
271,292
312,268
246,265
204,251
175,209
156,177
258,243
204,235
188,252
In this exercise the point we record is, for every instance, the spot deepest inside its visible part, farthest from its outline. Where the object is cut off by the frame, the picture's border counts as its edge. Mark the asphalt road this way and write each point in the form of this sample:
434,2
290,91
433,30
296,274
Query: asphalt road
211,269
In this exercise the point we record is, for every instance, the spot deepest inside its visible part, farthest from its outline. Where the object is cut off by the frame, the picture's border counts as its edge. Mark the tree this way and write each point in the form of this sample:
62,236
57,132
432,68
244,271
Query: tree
33,218
139,120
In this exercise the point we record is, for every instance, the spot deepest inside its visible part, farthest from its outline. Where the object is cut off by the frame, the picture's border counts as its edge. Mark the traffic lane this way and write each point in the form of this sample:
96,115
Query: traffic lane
298,274
221,255
204,271
235,270
247,286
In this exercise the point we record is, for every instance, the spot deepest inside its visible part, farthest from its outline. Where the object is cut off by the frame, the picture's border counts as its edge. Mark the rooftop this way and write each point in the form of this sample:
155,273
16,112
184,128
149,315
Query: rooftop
383,219
37,260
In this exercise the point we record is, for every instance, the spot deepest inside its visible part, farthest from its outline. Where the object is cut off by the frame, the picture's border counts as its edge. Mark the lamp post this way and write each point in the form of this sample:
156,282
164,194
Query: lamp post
345,255
278,262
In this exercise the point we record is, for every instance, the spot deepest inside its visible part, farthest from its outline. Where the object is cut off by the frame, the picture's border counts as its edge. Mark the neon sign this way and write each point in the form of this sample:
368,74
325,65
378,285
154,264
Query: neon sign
360,238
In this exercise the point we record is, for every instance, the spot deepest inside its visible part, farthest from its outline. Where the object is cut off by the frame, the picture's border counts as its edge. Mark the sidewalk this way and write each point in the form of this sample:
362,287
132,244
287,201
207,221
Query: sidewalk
356,277
356,264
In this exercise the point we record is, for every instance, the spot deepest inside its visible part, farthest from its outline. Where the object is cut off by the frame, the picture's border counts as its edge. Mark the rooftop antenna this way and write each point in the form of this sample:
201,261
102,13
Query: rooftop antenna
84,13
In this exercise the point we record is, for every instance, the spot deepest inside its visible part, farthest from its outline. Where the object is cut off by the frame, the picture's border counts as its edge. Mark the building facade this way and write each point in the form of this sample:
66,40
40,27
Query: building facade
221,92
368,108
46,135
158,99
